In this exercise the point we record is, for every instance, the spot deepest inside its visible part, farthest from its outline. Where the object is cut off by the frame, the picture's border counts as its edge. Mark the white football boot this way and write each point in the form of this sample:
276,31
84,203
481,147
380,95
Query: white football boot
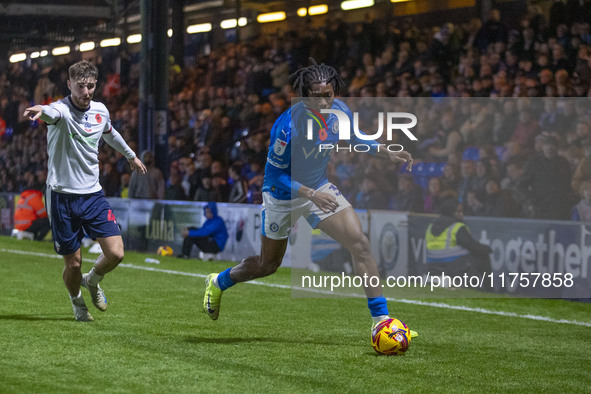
80,310
98,295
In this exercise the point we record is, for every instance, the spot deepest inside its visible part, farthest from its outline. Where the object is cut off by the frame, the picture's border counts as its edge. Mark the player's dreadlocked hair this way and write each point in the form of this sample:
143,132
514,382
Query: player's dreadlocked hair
302,79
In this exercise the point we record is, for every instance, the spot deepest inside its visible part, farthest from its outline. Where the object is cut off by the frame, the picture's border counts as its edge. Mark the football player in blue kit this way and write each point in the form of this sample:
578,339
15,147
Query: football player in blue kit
296,184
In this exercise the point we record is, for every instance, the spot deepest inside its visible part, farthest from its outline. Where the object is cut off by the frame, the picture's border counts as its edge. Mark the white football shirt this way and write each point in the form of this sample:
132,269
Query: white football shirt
73,136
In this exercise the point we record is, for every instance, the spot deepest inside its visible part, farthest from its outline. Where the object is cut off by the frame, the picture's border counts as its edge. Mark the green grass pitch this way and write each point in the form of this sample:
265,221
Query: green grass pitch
154,338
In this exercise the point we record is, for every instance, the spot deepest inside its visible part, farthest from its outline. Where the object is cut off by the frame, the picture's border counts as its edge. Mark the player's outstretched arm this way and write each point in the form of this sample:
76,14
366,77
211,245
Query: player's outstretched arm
137,165
33,112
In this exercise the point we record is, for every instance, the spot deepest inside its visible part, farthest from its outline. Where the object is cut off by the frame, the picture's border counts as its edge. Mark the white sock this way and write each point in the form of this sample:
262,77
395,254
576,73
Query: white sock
78,296
215,282
377,319
93,278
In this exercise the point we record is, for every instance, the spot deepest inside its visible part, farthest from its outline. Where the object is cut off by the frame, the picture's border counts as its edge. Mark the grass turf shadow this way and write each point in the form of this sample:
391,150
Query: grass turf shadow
35,317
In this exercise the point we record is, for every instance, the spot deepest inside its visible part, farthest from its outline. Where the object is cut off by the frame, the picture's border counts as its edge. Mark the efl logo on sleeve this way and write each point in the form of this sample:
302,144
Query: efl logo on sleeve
279,147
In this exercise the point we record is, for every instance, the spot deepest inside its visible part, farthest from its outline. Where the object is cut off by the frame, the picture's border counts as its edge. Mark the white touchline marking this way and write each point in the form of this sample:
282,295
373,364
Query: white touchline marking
402,300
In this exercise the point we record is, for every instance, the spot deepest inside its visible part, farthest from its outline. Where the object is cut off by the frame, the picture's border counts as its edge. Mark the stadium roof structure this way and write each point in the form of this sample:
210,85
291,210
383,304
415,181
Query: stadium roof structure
33,23
30,24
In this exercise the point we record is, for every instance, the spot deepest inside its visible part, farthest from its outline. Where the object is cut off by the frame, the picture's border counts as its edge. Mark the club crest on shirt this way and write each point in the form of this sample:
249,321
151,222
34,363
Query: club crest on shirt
279,147
335,127
87,127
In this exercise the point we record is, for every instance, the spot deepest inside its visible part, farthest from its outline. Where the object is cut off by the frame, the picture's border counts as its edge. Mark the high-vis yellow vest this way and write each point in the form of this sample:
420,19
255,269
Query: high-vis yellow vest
444,247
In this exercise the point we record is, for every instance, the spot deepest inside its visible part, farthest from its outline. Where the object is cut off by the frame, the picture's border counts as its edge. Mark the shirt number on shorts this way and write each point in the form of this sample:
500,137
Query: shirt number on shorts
337,192
111,217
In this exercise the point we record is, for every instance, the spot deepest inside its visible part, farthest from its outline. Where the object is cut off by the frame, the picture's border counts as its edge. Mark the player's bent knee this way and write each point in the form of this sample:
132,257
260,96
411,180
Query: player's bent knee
268,268
360,248
74,266
73,263
115,256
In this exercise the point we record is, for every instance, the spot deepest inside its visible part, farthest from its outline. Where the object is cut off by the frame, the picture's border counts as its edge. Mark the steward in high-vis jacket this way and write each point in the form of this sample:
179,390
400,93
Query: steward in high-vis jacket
30,214
450,246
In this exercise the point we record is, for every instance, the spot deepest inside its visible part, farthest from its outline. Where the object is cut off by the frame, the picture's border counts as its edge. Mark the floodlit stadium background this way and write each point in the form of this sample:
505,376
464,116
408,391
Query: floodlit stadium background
204,95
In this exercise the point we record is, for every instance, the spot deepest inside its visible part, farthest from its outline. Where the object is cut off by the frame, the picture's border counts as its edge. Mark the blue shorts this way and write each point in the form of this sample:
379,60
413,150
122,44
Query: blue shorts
72,214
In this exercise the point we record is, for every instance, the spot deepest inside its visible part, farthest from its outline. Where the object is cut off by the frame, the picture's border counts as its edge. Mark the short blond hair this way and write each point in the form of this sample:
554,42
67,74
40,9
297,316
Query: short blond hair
82,70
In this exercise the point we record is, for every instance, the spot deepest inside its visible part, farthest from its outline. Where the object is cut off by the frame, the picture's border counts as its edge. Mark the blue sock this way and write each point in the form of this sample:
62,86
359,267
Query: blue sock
378,306
224,280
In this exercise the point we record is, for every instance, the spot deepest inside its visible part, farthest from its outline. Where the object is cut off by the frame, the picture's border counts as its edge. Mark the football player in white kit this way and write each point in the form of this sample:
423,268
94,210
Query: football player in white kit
75,200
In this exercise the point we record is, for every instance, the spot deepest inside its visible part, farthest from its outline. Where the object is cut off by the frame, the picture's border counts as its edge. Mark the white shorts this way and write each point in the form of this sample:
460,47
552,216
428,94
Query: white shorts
279,216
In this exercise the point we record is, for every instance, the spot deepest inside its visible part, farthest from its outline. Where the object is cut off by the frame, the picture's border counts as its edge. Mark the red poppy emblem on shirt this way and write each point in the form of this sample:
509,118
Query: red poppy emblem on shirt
98,118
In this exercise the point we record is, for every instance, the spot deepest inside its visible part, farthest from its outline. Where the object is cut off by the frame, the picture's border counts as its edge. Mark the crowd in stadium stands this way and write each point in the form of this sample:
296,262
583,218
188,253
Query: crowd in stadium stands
526,157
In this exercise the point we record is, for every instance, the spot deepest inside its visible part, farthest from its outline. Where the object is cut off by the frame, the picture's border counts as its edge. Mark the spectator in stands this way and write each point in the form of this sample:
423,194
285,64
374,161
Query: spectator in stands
186,168
582,211
546,178
28,182
30,216
401,63
573,154
109,179
210,238
511,184
409,195
204,129
503,125
436,192
175,191
369,196
124,188
221,188
581,135
526,130
447,138
177,148
583,170
474,204
498,202
239,189
255,189
477,122
483,174
257,149
451,176
205,192
550,119
150,185
467,179
203,169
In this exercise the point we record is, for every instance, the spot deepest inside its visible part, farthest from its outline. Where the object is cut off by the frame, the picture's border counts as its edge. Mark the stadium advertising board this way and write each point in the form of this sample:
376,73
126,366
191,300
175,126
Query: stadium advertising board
388,238
7,201
533,258
146,225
